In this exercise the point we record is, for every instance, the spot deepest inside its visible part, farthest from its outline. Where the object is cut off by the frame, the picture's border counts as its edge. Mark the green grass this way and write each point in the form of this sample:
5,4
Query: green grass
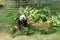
7,19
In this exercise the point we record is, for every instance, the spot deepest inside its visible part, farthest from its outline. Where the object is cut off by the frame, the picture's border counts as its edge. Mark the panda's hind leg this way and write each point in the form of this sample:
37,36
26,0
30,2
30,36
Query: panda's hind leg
16,29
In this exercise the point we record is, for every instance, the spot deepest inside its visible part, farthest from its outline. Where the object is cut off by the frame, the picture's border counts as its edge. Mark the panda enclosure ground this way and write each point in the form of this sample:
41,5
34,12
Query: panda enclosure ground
6,19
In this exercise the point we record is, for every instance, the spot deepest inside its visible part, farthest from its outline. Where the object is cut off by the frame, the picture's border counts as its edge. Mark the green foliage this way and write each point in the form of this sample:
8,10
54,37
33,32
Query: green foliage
54,20
31,30
27,31
35,14
41,14
48,31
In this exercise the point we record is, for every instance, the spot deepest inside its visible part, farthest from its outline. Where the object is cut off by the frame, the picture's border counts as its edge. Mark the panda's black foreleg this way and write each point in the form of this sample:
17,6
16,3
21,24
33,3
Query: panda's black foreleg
25,23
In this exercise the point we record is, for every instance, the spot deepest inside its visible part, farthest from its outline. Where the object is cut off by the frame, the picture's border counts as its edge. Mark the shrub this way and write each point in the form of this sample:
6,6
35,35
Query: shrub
35,14
38,15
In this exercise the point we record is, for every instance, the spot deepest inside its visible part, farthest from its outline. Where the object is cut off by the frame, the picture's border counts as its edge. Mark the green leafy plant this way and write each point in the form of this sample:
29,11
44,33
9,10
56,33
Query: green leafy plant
38,15
54,20
35,14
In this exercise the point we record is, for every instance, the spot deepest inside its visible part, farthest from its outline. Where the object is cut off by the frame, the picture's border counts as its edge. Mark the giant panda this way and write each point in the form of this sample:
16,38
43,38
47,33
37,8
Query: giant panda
22,21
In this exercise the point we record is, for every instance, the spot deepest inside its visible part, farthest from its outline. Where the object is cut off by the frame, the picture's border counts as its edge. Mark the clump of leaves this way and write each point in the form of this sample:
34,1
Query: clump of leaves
47,31
35,14
54,20
30,31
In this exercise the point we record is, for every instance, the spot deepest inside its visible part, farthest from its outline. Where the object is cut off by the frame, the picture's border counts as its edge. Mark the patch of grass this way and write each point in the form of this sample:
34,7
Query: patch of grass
31,31
7,18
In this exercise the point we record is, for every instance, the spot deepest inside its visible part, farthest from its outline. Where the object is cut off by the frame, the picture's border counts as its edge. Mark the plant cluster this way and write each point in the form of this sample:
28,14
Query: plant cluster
39,15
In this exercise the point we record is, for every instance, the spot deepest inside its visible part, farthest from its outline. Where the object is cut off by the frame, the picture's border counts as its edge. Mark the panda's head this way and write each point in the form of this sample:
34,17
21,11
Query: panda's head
22,17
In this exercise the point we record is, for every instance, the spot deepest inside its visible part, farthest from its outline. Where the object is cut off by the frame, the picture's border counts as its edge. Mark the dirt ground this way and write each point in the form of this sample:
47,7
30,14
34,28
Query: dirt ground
6,36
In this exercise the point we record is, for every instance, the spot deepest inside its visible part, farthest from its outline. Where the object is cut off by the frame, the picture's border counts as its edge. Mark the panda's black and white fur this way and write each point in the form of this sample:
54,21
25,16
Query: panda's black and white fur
21,22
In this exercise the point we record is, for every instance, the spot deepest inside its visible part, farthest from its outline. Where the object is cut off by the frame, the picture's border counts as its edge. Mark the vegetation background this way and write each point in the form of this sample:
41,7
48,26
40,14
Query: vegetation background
10,11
